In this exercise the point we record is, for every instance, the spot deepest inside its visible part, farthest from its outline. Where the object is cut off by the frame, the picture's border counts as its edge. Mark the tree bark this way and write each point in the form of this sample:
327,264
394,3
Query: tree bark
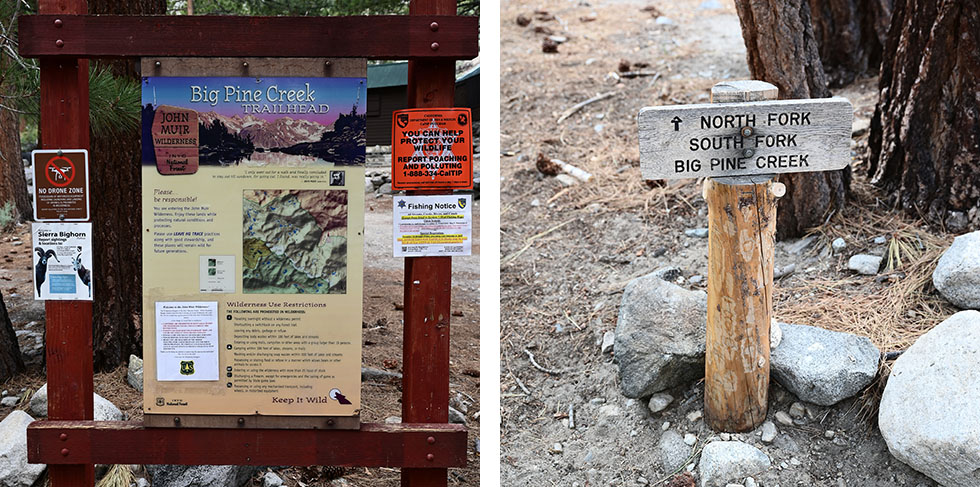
850,34
781,49
115,178
13,184
11,363
925,133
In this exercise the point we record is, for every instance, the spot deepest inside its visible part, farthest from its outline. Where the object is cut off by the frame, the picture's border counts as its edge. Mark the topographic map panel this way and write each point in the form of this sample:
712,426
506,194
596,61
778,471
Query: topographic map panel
294,241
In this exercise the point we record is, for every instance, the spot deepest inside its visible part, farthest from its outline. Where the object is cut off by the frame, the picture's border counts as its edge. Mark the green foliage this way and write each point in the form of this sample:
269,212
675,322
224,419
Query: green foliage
8,216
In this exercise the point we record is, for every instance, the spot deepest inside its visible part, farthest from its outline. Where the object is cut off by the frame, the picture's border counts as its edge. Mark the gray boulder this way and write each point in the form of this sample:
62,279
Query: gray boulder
822,366
928,413
104,410
730,461
200,475
957,275
134,373
659,335
14,469
673,451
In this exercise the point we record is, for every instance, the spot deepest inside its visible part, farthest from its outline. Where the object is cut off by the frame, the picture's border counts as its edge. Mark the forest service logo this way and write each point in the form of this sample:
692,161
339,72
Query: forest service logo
186,367
462,203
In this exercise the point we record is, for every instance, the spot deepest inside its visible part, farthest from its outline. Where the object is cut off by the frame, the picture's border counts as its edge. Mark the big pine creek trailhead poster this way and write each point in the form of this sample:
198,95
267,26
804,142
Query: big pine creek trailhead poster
253,218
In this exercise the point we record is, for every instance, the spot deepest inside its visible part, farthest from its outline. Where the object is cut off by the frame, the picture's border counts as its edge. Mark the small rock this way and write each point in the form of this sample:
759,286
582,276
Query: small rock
696,232
769,431
673,451
608,340
860,126
795,462
783,418
750,482
864,264
695,279
9,401
385,188
797,410
838,244
558,39
821,366
659,402
725,436
710,5
723,461
775,334
642,481
664,21
456,417
210,475
134,372
690,439
881,239
957,274
610,410
829,434
270,479
665,426
557,448
694,415
783,271
393,419
141,482
535,202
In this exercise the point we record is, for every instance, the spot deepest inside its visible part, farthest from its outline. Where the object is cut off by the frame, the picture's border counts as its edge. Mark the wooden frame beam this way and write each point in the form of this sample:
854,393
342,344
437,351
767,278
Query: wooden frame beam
374,37
123,442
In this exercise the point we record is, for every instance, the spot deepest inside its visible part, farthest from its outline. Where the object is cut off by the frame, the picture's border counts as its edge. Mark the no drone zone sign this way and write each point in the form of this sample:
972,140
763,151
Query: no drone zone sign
432,148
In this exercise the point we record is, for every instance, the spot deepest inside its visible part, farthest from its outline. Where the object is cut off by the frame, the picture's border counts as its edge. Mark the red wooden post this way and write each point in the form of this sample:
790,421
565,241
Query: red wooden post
428,280
68,324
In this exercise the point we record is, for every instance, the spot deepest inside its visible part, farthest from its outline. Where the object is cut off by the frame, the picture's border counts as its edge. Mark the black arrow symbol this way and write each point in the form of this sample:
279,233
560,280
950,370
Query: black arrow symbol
677,123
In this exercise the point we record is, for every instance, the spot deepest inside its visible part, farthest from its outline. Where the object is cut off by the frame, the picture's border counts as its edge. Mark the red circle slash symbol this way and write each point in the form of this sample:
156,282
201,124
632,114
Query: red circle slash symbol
60,174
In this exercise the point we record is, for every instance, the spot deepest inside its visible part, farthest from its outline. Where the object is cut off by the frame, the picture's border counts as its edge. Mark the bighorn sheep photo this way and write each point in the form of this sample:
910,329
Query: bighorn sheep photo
41,269
84,274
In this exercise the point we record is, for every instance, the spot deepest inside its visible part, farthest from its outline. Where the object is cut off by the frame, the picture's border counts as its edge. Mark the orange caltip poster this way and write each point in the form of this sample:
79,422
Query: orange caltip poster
432,148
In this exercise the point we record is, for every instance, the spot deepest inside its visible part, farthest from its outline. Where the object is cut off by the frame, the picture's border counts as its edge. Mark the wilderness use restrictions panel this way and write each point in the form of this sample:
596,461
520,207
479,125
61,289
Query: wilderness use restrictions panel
253,221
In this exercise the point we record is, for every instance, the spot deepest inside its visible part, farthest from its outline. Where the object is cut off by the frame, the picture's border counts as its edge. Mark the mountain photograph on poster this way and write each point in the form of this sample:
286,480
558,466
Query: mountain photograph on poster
261,122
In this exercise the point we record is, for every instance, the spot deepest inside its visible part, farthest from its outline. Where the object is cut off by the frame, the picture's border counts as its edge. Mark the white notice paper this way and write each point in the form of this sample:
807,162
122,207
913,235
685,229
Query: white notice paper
62,261
439,225
187,340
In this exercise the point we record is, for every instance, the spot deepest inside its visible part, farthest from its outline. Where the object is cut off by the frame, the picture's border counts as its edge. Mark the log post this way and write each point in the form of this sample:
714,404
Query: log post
741,230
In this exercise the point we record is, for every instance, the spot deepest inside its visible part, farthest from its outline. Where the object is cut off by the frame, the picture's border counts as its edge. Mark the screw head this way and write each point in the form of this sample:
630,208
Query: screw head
748,152
430,440
245,64
327,63
176,420
430,457
746,131
58,23
63,437
157,64
59,43
64,452
241,421
435,46
434,26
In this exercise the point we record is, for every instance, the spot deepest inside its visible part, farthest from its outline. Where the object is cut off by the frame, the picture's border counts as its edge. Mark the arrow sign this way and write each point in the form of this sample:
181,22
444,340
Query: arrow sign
735,139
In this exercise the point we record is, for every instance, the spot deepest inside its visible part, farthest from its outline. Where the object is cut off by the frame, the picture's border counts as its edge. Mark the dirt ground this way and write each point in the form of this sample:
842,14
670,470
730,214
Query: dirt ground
568,252
382,342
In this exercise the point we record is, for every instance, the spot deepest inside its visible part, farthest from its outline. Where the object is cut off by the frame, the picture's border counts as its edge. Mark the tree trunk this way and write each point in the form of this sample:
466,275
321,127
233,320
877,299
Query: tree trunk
925,134
115,179
851,34
11,363
782,50
13,185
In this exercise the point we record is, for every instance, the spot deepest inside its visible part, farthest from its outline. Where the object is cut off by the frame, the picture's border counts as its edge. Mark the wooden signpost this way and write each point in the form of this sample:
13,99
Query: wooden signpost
63,37
740,141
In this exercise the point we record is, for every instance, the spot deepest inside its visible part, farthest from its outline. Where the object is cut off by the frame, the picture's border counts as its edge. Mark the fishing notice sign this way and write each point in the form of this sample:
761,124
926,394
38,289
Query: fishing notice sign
253,230
61,191
432,148
62,261
432,226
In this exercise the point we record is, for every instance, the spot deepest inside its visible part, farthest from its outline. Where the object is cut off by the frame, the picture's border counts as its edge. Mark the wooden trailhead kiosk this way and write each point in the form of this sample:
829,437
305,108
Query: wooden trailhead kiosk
424,445
738,143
